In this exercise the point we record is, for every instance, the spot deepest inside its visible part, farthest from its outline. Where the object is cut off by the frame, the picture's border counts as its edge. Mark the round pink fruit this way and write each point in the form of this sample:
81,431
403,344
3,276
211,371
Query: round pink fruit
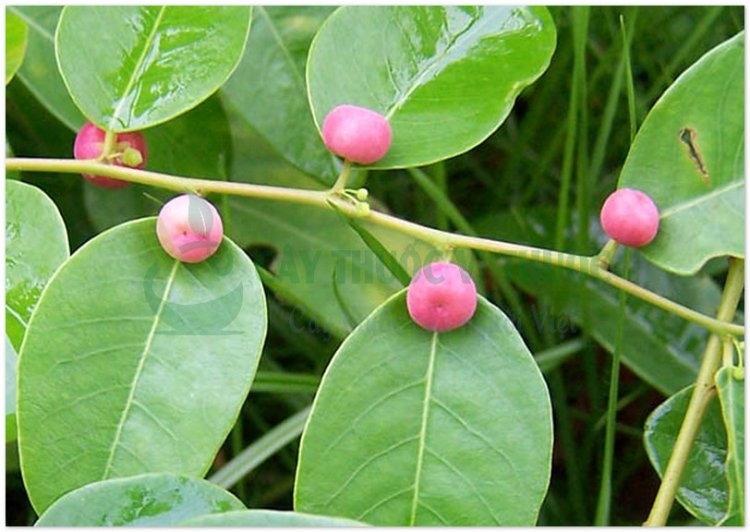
358,134
630,217
189,228
441,297
90,142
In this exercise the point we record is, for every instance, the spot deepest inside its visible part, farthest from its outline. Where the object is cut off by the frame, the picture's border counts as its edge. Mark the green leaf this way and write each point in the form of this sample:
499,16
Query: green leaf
16,35
151,358
36,244
195,144
703,488
411,427
663,349
11,363
143,500
445,77
689,157
268,89
39,71
380,251
311,242
150,63
274,518
730,383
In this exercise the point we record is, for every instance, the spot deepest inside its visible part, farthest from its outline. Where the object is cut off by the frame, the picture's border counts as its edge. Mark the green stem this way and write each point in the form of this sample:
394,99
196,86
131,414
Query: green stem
343,178
322,199
701,397
257,452
607,254
603,507
109,145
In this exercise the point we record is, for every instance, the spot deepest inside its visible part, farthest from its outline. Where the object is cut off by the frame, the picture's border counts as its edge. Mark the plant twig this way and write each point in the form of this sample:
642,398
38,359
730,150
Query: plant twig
321,199
699,401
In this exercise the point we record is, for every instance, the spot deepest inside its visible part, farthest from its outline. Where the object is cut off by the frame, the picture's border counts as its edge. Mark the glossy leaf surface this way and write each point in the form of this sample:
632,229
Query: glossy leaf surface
39,71
150,357
150,63
411,427
268,88
703,488
36,244
445,76
16,35
271,518
689,157
195,144
142,500
730,384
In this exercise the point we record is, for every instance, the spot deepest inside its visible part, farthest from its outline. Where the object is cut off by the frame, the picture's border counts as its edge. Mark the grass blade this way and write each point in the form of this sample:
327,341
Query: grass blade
603,507
260,450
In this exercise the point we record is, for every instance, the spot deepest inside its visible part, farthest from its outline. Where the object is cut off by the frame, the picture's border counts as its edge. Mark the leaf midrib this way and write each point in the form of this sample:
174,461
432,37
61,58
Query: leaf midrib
423,428
139,64
139,371
702,198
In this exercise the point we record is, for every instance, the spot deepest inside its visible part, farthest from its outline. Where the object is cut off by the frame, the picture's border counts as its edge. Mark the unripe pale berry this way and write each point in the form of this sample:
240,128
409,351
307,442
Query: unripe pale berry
630,217
189,228
358,134
90,142
441,297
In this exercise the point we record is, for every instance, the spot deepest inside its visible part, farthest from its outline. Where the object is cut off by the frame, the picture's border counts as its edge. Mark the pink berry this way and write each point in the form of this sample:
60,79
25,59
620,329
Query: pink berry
189,228
630,217
441,297
358,134
90,142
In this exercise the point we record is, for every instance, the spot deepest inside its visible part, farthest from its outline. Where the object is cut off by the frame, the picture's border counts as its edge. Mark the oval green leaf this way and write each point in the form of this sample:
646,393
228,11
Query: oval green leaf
142,500
730,384
39,72
36,244
150,63
445,77
703,488
272,518
16,36
268,88
134,362
689,157
411,427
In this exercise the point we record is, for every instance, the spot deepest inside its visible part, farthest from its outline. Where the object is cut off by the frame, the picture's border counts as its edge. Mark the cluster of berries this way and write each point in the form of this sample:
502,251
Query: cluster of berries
441,296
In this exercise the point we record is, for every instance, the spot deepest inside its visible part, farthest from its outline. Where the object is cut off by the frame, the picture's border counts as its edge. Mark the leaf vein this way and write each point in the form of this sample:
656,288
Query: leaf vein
423,428
139,370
